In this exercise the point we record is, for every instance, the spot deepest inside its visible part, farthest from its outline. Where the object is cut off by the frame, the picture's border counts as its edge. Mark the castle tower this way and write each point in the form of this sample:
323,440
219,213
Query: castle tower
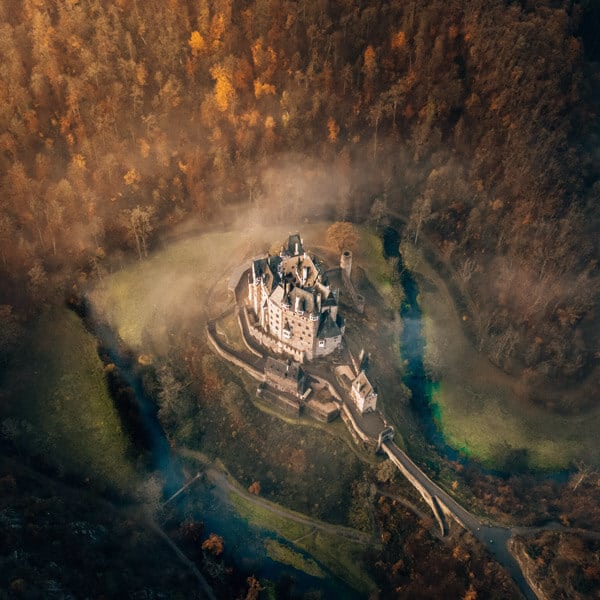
346,263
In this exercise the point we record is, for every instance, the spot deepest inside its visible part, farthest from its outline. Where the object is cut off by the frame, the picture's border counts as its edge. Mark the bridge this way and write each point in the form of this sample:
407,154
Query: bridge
373,431
442,505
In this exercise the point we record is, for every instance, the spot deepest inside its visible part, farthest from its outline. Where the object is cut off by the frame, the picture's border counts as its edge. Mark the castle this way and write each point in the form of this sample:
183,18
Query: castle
296,311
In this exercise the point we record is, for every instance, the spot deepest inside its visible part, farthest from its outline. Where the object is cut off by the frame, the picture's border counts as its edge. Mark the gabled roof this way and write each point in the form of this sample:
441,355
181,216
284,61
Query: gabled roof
362,385
295,267
295,241
307,299
267,268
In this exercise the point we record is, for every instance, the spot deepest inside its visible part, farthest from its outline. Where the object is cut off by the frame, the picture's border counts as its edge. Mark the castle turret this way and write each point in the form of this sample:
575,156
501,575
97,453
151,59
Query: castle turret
346,263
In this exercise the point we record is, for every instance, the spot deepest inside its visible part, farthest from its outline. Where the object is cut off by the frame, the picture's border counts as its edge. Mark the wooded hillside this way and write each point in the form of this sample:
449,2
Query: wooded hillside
475,120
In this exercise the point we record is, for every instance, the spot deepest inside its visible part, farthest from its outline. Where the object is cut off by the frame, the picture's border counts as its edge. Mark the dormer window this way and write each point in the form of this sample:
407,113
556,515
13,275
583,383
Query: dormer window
287,332
321,343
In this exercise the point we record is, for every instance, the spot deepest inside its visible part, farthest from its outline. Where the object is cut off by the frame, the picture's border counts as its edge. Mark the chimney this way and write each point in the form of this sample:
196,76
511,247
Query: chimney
297,309
296,249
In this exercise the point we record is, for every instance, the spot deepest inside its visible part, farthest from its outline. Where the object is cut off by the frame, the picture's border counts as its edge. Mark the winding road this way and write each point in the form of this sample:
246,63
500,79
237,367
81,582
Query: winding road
221,480
493,537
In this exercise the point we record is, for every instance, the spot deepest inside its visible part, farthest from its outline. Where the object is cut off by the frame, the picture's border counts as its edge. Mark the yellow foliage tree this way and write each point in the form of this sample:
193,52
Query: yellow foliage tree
370,63
333,129
398,40
196,43
342,236
224,90
213,544
217,29
132,177
263,89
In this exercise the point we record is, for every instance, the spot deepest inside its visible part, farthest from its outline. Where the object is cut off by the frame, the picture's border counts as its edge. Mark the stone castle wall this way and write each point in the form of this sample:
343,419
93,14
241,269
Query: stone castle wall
272,344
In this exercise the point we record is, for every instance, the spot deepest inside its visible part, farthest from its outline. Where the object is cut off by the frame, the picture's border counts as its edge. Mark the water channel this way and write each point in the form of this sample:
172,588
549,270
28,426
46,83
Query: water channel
243,543
412,346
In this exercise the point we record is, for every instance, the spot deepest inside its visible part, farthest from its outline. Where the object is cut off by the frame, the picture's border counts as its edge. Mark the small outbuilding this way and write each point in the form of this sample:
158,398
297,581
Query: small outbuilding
363,393
287,376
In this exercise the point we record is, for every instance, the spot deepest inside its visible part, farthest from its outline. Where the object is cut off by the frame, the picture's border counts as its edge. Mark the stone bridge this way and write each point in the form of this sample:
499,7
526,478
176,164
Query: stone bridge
443,506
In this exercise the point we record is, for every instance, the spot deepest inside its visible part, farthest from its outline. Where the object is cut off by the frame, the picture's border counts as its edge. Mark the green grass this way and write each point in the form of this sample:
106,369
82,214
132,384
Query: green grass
380,272
481,410
178,287
287,556
57,395
341,556
148,303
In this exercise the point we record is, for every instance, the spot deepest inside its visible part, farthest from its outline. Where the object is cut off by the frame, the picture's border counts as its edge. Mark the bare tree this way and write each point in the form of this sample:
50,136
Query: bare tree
140,226
421,211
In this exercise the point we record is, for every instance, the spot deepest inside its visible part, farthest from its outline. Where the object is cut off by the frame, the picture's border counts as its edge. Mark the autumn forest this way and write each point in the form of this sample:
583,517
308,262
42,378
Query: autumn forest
476,121
470,126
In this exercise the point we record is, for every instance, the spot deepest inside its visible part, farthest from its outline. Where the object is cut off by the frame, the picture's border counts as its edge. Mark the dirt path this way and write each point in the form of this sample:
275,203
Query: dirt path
223,481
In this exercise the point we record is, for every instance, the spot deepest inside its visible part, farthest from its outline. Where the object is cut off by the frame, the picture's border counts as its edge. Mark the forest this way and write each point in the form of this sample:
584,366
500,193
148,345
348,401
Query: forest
472,125
476,122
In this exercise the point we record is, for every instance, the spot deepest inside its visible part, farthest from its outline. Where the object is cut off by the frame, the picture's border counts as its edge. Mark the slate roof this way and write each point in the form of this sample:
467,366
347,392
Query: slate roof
284,368
307,299
291,247
363,385
328,328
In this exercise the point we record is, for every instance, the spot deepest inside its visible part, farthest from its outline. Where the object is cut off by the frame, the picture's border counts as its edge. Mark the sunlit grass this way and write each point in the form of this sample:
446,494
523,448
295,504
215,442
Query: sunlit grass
287,556
343,557
380,272
59,399
479,407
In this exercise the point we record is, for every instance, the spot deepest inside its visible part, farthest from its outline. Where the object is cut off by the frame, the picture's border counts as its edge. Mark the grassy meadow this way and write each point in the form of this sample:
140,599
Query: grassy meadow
341,556
149,303
481,409
58,407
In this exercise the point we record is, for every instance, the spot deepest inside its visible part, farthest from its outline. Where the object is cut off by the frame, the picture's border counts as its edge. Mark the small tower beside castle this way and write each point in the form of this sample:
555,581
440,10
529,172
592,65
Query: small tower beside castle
346,263
346,271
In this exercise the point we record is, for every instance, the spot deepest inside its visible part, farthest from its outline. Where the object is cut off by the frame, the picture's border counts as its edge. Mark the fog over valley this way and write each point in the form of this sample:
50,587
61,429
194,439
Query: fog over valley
152,152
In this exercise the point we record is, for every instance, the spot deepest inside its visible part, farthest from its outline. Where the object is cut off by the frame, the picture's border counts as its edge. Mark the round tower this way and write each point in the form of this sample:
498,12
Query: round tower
346,263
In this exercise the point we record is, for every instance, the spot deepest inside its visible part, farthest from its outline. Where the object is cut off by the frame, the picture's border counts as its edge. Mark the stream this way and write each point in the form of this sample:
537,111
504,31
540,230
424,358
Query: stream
412,345
494,538
243,543
210,503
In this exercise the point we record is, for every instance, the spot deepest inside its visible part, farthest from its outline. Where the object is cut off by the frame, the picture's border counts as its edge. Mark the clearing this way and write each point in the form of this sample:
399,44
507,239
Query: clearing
478,407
